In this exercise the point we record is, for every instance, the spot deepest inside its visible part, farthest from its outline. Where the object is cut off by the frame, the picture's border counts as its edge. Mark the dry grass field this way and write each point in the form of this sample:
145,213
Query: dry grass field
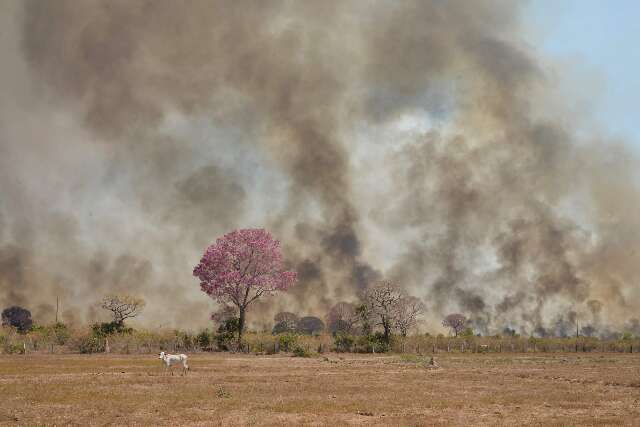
229,389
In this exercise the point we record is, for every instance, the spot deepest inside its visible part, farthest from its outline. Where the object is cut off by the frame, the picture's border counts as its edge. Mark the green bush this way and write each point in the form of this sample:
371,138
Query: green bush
109,328
60,333
287,341
204,339
95,340
373,343
15,348
468,332
91,344
300,351
343,342
227,333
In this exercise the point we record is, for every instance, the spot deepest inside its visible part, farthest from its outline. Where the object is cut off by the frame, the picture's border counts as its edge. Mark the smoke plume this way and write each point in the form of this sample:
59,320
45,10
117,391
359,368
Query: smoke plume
420,141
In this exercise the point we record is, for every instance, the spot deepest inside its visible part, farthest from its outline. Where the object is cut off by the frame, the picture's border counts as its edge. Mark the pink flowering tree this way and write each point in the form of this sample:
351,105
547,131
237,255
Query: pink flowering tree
241,267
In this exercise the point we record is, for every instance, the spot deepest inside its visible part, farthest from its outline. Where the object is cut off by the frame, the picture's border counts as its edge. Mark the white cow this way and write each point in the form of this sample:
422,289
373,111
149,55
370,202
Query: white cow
171,359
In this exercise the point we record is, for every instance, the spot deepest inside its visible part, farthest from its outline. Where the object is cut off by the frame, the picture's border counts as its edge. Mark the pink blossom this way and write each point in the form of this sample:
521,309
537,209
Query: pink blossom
242,266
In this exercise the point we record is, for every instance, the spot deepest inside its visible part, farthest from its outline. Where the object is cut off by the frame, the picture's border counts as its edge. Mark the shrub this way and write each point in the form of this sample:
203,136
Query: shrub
204,339
226,333
109,328
60,333
300,351
343,342
287,341
94,340
15,348
373,343
90,344
467,332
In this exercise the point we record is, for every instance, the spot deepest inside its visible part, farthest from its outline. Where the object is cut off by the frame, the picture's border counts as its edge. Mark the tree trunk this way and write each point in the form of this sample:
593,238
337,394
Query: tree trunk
387,333
240,326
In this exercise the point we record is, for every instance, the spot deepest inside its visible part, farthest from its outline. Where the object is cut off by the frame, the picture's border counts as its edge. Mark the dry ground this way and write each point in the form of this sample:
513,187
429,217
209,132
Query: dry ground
228,389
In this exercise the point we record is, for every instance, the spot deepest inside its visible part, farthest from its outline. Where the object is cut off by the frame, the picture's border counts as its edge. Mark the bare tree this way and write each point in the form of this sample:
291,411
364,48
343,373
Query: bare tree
122,307
456,322
342,317
409,308
383,302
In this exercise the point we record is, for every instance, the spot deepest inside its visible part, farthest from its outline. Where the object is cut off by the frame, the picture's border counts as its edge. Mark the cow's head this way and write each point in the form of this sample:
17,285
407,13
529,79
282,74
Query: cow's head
161,355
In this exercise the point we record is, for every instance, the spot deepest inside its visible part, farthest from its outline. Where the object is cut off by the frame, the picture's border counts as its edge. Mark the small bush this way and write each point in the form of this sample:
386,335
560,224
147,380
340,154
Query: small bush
15,348
109,328
343,342
626,336
221,393
204,339
287,341
90,344
300,351
467,332
373,343
60,333
226,334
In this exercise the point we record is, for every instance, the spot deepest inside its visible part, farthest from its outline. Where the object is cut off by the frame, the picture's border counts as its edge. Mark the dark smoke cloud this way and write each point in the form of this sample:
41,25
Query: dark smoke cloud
138,132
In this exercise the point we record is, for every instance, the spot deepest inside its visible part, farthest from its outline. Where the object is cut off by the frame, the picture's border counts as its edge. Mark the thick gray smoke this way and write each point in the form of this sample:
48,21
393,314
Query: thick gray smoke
415,140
